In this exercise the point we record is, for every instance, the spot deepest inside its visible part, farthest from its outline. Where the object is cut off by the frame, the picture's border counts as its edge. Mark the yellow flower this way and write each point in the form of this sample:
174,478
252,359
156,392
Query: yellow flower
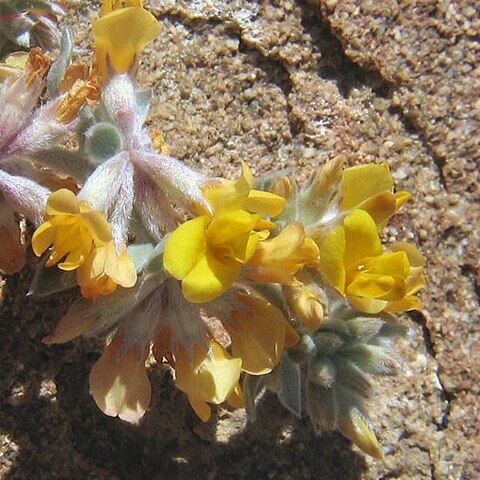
104,269
207,377
233,195
119,382
370,188
72,228
207,253
305,305
258,335
354,262
81,240
278,259
120,34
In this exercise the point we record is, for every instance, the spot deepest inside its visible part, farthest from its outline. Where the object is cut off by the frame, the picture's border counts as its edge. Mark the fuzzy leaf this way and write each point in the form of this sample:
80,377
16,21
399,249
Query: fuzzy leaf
144,98
59,67
290,394
102,141
252,385
50,280
140,253
70,163
371,359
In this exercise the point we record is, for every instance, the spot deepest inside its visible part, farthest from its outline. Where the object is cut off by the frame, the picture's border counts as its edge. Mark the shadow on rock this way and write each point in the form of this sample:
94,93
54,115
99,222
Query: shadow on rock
56,431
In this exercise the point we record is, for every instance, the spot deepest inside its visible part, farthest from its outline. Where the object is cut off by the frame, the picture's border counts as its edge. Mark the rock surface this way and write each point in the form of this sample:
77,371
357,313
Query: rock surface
288,84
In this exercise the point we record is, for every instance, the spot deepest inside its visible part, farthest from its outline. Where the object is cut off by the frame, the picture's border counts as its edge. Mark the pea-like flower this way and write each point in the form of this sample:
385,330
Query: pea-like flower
207,253
121,33
208,377
354,262
278,259
370,187
81,240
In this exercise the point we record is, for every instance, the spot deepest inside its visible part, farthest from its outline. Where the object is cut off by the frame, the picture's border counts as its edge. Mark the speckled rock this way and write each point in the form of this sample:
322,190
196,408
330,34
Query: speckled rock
288,84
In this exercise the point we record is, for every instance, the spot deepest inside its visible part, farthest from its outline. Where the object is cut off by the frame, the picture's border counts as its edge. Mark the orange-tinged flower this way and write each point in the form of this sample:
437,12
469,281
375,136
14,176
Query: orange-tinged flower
278,259
72,228
305,305
81,93
354,262
104,269
81,240
258,335
119,382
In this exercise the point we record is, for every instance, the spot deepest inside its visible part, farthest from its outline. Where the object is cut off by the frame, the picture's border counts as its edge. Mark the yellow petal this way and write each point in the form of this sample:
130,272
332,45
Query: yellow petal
225,196
98,227
395,263
119,382
364,181
383,287
415,258
62,201
280,258
185,246
43,238
123,34
245,182
406,304
236,400
229,233
265,203
209,376
110,5
332,252
209,279
361,238
401,198
357,430
305,305
368,305
381,208
120,268
258,335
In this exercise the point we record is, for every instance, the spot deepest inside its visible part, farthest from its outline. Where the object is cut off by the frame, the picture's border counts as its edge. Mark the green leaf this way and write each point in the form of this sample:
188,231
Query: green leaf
140,254
290,393
60,66
51,280
102,141
252,385
144,98
371,359
70,163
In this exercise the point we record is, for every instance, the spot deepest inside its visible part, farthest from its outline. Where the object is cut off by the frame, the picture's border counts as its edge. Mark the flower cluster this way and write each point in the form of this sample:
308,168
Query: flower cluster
235,285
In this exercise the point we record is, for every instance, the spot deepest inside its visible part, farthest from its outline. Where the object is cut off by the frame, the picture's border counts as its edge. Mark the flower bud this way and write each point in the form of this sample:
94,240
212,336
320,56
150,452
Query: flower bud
283,186
305,305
